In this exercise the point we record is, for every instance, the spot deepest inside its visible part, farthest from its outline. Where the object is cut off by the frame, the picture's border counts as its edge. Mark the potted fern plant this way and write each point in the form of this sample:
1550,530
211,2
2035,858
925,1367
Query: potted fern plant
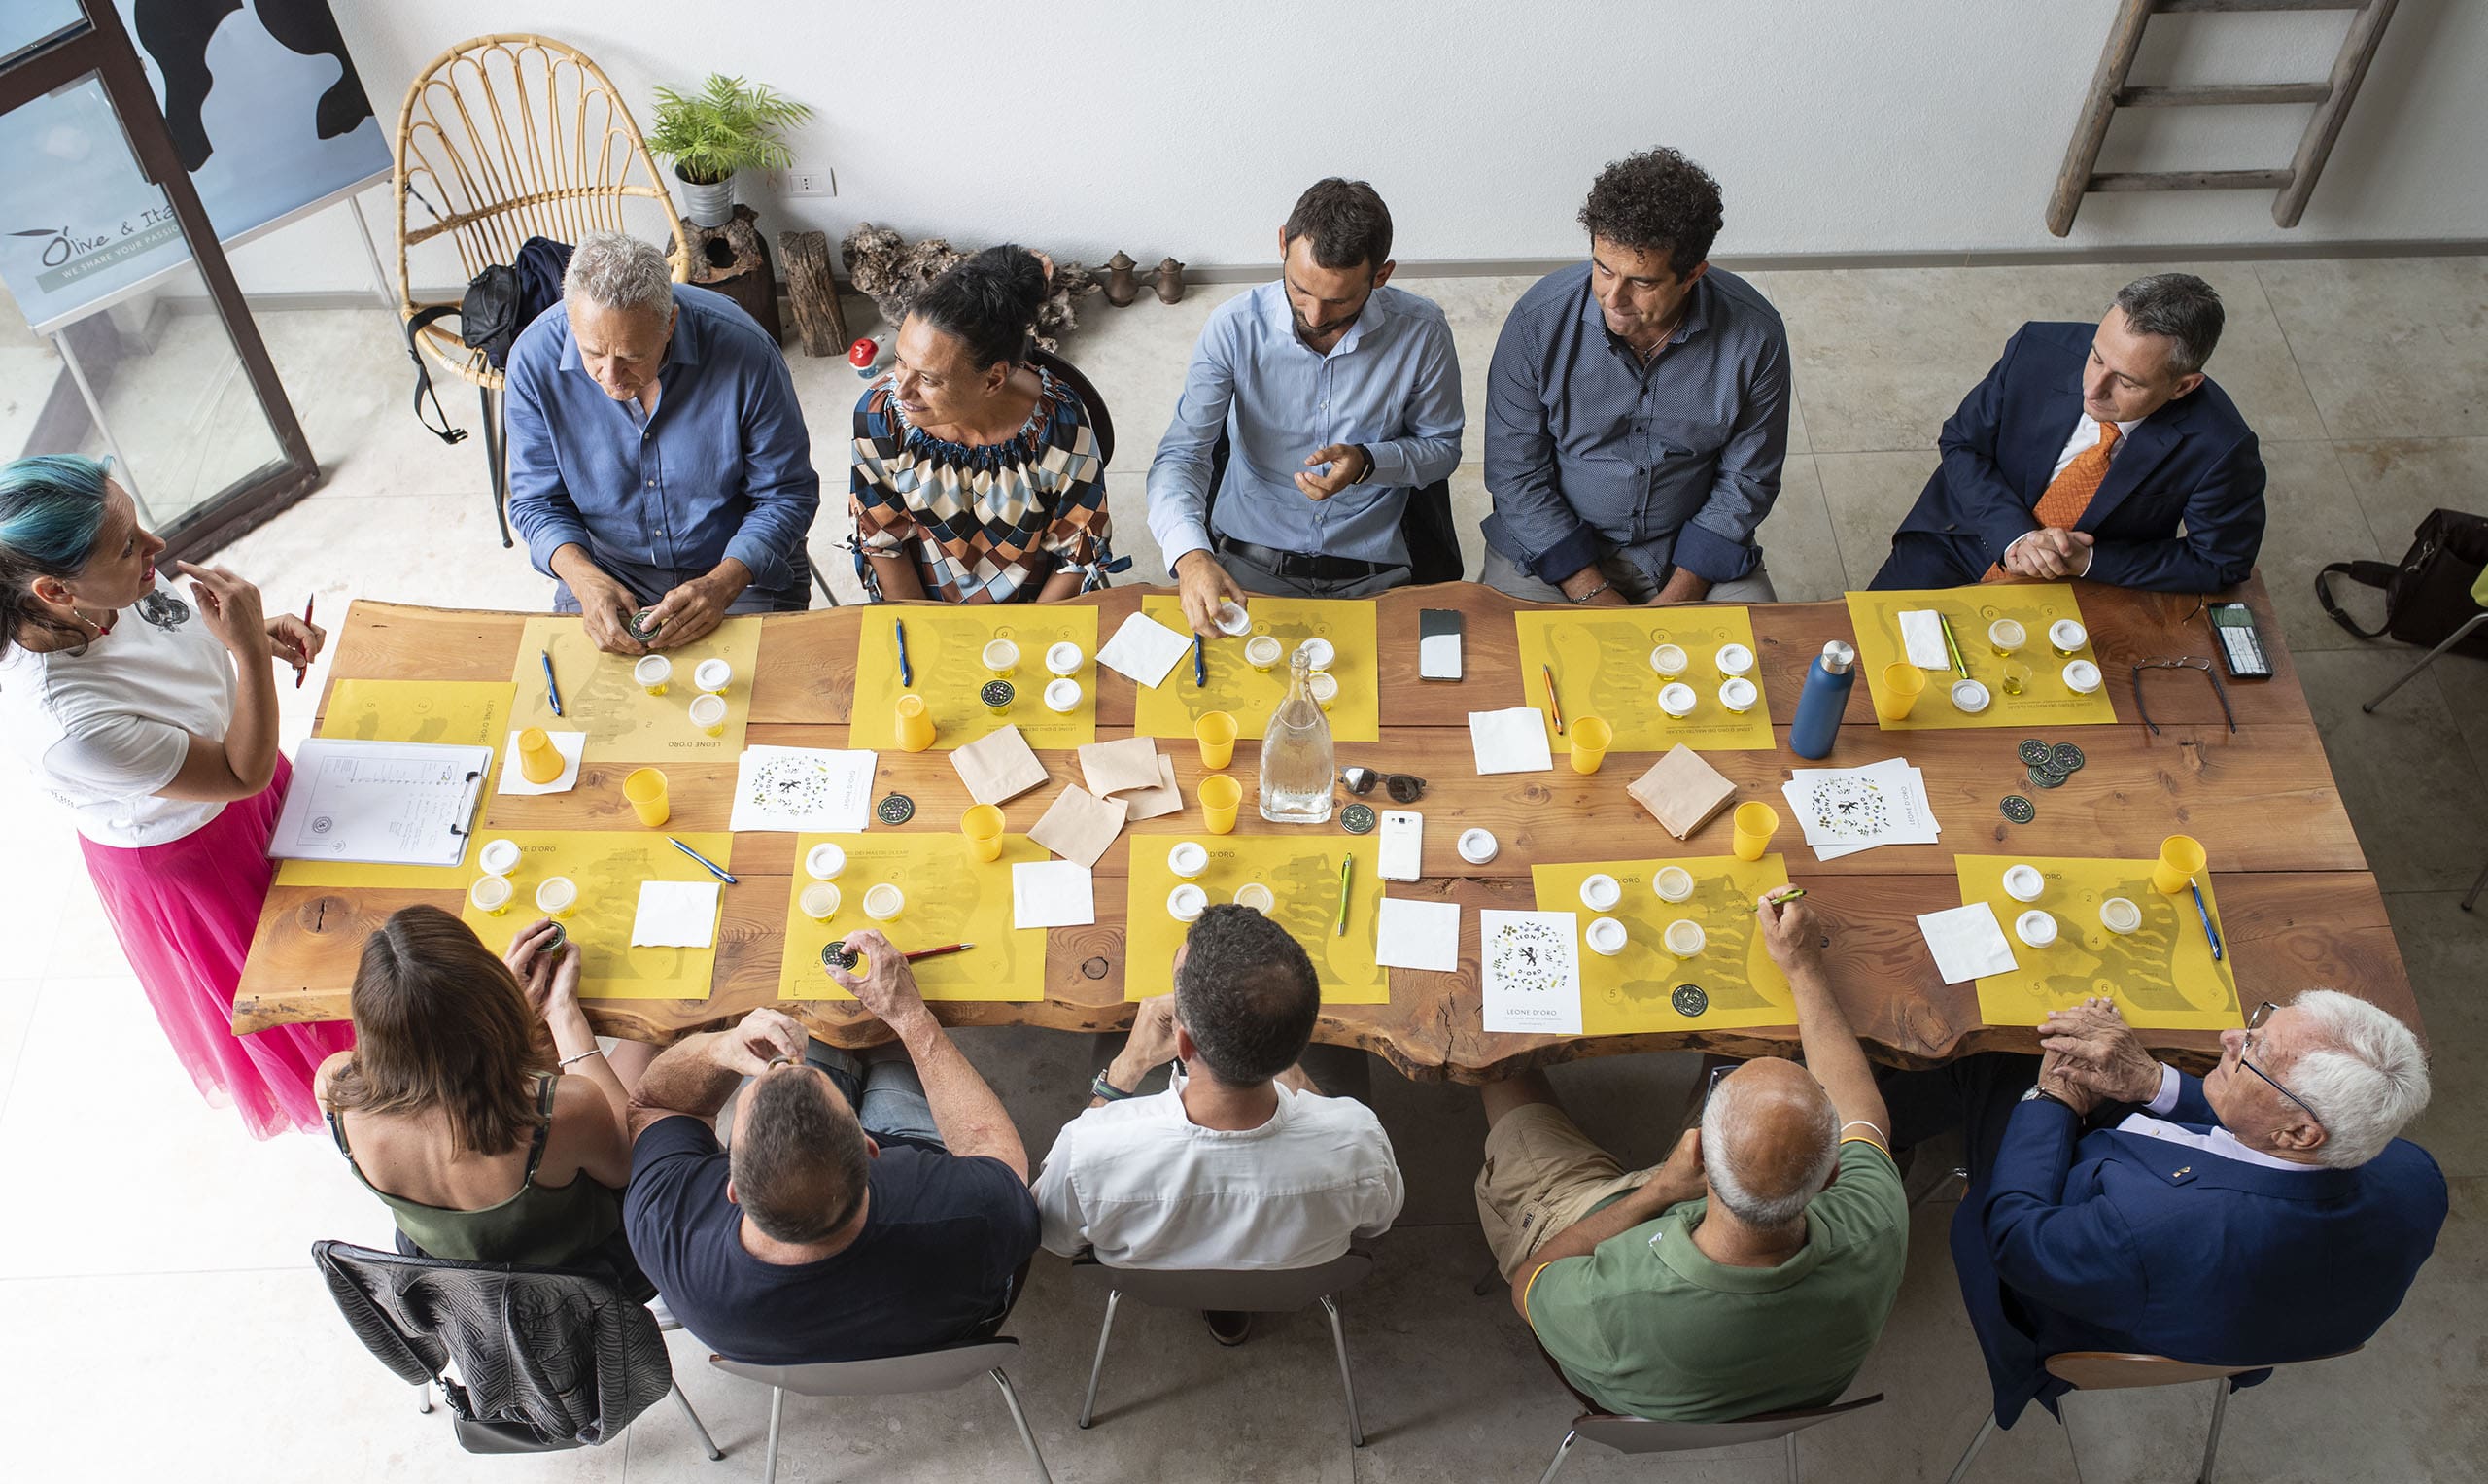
711,135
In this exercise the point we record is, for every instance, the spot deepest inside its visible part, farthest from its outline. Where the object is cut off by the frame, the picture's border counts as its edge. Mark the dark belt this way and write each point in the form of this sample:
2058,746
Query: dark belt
1304,564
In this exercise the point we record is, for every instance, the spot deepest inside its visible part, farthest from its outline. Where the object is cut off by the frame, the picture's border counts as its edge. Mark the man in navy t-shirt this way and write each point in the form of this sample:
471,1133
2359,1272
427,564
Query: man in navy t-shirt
867,1210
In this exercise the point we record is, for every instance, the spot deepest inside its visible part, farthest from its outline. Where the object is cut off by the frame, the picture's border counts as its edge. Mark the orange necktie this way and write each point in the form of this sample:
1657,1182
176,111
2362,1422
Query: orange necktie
2068,497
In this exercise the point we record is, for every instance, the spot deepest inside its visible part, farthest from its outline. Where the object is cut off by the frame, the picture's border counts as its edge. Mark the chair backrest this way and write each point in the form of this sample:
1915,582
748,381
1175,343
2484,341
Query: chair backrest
1643,1435
1278,1291
512,136
2105,1370
1102,423
926,1370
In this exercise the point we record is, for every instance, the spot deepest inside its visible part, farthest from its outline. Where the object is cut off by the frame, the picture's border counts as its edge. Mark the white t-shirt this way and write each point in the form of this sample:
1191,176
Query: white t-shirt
1144,1186
103,729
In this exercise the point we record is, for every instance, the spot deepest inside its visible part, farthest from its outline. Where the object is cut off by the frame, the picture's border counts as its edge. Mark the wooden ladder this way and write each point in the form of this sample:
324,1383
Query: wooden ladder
2109,92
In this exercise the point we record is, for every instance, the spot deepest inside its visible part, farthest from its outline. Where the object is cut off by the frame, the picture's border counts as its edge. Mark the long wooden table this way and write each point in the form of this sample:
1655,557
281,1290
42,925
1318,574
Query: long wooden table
2299,906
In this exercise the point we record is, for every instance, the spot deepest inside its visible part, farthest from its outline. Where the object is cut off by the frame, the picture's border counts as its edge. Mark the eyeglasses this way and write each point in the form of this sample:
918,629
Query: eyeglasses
2254,1024
1404,787
2189,662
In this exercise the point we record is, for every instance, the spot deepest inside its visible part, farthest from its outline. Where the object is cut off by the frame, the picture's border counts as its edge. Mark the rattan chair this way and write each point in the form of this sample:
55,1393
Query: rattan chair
503,138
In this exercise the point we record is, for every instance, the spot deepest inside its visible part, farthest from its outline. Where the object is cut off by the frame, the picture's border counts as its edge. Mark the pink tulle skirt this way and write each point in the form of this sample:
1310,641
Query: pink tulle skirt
185,912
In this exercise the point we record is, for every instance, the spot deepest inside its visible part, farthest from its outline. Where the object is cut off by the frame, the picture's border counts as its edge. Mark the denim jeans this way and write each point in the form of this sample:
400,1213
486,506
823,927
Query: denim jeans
884,1089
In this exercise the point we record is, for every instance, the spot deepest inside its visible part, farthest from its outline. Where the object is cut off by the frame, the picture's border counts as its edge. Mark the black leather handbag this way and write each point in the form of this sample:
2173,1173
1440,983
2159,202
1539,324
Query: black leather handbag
2427,593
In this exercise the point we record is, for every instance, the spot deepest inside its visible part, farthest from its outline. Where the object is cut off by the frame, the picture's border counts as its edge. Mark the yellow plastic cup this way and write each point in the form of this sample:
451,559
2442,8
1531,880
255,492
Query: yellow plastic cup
1755,824
914,724
1903,684
645,789
538,760
982,826
2181,856
1221,796
1216,733
709,714
1591,738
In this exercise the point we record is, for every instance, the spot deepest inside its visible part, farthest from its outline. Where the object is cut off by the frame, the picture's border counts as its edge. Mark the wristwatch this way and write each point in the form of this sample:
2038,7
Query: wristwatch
1365,472
1101,1088
2039,1094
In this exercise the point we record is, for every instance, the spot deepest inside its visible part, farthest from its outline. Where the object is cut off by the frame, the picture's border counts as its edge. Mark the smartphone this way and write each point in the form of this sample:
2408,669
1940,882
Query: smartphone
1438,631
1403,845
2241,644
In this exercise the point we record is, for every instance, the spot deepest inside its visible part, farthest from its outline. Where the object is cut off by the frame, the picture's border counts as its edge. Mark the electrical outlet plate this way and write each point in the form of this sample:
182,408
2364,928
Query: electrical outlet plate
804,182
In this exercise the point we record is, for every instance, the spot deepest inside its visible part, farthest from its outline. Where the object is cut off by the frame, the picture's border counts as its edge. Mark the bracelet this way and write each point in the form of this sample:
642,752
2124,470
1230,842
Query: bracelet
593,1051
1366,472
1100,1088
1592,592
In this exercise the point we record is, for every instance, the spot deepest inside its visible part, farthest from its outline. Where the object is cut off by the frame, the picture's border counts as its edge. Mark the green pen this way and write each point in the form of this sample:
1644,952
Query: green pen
1790,895
1346,864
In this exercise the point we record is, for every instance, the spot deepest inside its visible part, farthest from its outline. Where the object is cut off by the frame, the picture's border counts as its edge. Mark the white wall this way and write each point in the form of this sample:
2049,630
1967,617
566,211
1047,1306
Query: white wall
1835,127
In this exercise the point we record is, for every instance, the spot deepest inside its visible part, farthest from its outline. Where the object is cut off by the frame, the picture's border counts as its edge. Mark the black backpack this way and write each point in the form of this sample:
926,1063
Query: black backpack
500,303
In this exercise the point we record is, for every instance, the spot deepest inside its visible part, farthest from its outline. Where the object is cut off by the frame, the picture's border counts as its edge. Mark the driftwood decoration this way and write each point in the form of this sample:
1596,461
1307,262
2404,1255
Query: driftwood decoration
884,267
813,293
733,261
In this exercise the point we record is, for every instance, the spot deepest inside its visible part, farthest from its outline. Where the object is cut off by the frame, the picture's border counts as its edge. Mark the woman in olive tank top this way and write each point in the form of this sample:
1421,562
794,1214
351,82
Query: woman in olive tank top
453,1107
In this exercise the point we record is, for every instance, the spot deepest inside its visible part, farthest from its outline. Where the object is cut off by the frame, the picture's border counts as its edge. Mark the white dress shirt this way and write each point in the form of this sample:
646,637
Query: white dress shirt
2218,1141
2085,436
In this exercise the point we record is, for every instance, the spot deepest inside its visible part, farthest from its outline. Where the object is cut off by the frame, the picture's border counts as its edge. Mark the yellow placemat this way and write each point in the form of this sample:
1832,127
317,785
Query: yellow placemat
1304,878
1601,663
608,866
1636,989
945,654
623,723
952,897
2045,702
449,713
2161,974
1250,695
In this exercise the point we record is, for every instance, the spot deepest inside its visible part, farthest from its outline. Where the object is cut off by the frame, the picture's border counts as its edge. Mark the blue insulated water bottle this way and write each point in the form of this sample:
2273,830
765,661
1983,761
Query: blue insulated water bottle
1827,683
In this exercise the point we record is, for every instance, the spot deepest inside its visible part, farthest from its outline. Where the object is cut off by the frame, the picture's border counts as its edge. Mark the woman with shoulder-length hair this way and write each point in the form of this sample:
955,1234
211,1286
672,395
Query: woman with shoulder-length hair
151,713
976,477
454,1107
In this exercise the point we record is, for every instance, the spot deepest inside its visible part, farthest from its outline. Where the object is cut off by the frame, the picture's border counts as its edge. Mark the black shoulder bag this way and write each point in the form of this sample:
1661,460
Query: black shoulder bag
2427,593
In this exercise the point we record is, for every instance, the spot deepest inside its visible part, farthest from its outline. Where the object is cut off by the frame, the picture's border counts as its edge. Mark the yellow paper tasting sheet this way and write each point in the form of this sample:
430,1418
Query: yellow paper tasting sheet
2161,974
457,713
623,722
1601,663
608,866
1302,874
2044,701
945,654
952,897
1250,695
1643,989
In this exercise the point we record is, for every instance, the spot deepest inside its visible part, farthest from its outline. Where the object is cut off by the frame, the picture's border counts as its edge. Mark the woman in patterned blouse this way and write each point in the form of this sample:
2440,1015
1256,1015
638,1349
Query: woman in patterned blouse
977,478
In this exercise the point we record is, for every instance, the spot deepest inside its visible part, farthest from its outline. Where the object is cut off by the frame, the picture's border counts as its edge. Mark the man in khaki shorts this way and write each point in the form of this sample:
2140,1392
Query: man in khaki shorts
1749,1272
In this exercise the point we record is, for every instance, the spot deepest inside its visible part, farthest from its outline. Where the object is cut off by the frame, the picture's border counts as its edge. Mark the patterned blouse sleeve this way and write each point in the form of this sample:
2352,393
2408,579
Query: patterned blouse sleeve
883,523
1077,473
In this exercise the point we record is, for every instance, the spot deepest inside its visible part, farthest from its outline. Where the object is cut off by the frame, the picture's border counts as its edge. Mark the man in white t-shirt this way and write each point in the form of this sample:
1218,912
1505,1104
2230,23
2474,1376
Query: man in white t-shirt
1243,1163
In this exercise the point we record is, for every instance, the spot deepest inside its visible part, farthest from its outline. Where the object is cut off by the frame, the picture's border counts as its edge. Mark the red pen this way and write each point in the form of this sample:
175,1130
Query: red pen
948,947
304,669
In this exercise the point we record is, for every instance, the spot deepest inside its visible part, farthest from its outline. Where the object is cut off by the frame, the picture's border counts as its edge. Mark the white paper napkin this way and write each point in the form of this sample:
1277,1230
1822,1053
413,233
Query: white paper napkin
1417,935
1513,741
1144,649
1922,636
1051,893
675,914
1967,943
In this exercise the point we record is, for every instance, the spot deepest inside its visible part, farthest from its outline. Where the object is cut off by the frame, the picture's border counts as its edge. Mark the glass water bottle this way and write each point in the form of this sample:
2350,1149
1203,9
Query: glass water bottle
1296,762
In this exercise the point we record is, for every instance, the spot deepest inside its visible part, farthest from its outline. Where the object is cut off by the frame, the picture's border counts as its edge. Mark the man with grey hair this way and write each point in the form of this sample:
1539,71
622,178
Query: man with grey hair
658,457
1753,1270
2087,450
2263,1213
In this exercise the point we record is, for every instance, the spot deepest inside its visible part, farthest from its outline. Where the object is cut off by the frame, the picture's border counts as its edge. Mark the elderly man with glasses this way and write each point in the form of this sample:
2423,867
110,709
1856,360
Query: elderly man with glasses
2262,1213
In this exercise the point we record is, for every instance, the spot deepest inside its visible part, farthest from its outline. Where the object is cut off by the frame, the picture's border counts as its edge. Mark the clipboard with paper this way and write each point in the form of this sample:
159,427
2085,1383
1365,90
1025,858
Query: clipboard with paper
397,803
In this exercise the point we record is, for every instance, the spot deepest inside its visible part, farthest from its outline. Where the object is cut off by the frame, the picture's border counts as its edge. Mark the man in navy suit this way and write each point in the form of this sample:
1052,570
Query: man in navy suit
2083,452
2264,1213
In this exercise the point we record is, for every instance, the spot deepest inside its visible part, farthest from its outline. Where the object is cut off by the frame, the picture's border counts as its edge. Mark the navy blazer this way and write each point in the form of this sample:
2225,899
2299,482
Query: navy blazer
2123,1242
2193,461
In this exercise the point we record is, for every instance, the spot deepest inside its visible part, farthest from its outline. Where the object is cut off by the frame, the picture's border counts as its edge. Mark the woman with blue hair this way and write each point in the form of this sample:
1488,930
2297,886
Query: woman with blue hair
152,715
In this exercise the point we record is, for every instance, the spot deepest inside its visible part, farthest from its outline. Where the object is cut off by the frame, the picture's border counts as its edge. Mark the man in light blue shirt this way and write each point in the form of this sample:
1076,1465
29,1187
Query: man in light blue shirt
1340,397
657,453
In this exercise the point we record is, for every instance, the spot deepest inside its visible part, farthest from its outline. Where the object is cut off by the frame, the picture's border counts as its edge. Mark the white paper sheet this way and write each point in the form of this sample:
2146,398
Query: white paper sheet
675,914
1417,935
1923,637
1052,893
1530,976
816,790
1513,741
1843,810
573,746
1967,942
398,803
1144,649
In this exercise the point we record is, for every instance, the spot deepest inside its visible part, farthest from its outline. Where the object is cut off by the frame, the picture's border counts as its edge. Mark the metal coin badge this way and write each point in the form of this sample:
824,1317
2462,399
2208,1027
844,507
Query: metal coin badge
2048,777
2065,757
2019,809
897,809
1357,820
1689,1000
839,956
2034,752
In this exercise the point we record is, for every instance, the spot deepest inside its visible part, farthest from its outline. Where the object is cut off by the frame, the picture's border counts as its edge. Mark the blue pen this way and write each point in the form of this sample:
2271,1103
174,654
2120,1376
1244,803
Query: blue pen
1200,667
2210,933
906,675
715,869
552,692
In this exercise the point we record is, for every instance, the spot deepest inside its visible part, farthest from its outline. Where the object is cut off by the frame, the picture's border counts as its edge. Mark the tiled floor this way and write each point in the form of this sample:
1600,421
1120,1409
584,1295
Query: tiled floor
153,1260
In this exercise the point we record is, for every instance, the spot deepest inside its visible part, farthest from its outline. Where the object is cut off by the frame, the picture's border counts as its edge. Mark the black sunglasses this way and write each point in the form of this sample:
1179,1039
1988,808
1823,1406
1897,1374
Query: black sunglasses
1404,787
